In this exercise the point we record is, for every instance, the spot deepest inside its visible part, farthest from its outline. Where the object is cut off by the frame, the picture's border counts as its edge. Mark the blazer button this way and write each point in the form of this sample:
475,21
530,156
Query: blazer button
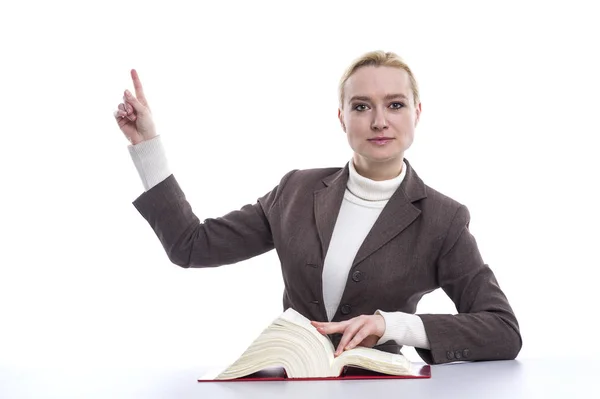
450,355
457,355
357,276
346,309
466,353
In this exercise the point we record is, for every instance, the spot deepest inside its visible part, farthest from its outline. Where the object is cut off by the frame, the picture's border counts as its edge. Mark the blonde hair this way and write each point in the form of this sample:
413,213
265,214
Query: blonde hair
378,58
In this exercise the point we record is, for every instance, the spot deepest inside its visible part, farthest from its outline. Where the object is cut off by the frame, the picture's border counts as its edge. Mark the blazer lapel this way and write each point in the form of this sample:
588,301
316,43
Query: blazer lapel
327,203
396,216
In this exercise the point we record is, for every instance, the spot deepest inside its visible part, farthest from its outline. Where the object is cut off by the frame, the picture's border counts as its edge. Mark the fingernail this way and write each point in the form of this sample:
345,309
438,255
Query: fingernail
127,93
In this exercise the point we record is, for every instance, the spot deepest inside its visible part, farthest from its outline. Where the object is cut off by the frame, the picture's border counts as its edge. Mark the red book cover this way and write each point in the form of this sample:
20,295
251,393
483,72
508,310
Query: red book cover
348,373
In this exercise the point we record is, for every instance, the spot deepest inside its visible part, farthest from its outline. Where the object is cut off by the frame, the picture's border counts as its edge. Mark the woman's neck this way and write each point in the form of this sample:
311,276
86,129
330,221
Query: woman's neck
378,171
369,190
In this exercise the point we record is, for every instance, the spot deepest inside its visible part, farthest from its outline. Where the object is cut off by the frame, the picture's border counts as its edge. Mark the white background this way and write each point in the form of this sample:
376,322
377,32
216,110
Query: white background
242,93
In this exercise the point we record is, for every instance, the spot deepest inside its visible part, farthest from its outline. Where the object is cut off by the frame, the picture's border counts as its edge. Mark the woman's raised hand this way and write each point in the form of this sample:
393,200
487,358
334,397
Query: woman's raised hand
133,115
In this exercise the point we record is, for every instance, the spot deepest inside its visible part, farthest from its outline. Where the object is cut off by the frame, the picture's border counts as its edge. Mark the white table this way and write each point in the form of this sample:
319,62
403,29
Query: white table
500,379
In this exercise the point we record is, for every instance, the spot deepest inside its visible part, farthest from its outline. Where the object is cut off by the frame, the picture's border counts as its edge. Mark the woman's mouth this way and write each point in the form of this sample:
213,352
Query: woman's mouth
380,140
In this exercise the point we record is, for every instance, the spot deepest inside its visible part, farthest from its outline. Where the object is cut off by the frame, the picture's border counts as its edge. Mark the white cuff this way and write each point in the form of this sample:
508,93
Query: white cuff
404,328
150,160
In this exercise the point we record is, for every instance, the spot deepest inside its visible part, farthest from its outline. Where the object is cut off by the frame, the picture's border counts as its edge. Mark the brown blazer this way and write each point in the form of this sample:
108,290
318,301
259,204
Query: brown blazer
420,242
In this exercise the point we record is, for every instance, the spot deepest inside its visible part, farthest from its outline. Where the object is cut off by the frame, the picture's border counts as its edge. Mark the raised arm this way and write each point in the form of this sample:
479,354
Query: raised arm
234,237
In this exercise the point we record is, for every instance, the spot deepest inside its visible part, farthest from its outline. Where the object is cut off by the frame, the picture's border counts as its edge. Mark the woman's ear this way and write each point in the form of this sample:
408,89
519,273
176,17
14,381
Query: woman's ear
418,116
341,118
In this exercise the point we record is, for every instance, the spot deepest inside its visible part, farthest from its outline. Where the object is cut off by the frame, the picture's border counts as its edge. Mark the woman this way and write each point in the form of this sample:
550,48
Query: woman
378,231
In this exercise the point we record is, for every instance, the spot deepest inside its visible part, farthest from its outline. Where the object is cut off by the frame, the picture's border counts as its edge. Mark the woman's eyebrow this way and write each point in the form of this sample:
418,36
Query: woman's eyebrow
387,97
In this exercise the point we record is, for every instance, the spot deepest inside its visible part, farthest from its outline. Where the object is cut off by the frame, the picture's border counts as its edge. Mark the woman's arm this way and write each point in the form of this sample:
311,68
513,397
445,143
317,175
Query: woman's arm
403,328
485,327
151,162
237,236
234,237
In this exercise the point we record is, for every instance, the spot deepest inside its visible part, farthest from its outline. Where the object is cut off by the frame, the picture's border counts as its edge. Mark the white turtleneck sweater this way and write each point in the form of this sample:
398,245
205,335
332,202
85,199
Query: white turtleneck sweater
364,200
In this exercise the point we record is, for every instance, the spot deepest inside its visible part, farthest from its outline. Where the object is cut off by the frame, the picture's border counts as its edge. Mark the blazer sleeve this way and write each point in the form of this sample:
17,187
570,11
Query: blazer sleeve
236,236
485,327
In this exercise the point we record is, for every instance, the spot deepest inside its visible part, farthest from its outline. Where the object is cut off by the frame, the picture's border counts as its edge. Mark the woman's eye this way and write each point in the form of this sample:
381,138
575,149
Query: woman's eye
396,105
360,107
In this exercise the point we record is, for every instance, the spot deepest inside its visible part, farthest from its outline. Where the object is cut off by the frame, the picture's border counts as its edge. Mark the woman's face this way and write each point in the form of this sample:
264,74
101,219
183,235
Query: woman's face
379,115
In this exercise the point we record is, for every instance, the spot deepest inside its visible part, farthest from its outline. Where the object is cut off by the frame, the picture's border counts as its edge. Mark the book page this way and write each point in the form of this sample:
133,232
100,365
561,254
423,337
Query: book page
290,342
294,317
373,359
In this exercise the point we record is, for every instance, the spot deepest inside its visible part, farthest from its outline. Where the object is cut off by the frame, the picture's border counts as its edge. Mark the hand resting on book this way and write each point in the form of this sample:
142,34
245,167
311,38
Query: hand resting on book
364,330
293,343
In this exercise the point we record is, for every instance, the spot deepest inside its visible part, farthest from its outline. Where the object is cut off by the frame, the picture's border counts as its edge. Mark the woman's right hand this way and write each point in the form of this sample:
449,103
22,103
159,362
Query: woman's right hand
133,115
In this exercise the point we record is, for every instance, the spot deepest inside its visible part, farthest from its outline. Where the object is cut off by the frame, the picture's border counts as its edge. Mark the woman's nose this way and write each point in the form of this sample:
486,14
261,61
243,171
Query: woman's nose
379,121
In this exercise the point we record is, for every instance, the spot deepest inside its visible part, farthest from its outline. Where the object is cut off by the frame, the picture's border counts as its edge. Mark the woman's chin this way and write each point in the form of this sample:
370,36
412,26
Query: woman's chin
381,157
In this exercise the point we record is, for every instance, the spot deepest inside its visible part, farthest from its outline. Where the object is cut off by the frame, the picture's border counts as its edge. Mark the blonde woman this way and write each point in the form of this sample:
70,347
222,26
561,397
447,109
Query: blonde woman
369,229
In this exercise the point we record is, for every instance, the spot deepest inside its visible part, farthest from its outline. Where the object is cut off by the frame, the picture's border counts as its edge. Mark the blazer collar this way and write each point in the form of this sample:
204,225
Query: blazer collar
412,185
396,216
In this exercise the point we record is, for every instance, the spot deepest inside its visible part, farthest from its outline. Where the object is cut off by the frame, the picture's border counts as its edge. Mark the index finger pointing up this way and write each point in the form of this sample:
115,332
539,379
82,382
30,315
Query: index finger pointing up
139,90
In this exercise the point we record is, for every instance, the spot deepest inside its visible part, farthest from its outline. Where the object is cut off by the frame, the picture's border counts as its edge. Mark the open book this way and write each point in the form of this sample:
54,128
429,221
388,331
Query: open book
295,345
